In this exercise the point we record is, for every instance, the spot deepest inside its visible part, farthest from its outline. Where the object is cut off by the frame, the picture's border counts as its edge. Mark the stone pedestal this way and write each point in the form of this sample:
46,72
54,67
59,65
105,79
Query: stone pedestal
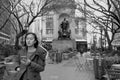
62,45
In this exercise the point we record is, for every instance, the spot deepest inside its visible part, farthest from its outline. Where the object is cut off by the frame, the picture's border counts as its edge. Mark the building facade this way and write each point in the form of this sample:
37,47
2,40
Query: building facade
47,27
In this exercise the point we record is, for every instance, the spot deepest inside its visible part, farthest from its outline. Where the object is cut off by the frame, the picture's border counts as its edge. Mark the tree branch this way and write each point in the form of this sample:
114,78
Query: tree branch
5,22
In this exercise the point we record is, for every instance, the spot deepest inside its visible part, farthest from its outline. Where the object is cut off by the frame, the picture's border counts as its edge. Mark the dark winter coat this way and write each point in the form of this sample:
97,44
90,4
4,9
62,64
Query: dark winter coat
37,65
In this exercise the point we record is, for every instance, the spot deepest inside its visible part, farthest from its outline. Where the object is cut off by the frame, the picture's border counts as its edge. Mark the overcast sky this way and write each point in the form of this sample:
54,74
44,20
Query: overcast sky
89,28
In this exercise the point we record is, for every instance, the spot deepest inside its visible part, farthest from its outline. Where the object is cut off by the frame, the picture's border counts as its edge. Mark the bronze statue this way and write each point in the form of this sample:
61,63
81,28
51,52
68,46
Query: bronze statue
64,32
65,25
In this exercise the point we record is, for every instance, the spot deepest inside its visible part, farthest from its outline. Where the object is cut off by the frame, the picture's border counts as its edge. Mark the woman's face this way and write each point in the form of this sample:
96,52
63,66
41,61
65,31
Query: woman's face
30,40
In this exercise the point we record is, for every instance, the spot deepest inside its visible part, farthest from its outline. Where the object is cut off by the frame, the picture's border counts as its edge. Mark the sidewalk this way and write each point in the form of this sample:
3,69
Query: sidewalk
65,71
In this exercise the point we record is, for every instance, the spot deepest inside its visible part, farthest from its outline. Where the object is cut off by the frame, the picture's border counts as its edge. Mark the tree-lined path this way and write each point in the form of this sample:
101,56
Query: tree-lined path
66,71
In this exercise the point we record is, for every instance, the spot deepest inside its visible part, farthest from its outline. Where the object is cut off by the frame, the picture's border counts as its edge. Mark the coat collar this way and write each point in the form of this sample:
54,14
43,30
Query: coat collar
36,53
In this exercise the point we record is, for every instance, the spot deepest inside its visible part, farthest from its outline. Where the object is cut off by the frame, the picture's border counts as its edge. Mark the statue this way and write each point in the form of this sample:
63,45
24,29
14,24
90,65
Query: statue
64,25
64,32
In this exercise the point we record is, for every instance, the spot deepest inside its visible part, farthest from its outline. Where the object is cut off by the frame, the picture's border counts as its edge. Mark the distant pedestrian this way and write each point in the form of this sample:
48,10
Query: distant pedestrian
32,59
81,51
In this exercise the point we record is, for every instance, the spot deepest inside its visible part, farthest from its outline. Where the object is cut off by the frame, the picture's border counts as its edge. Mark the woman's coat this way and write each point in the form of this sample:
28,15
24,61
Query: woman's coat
37,65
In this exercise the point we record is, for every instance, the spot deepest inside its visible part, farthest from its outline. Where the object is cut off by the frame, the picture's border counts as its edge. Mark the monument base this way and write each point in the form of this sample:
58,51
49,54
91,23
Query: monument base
62,45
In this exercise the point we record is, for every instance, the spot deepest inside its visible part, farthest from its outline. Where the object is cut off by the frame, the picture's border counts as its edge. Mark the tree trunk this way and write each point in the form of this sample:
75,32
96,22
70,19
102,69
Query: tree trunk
109,45
109,41
18,37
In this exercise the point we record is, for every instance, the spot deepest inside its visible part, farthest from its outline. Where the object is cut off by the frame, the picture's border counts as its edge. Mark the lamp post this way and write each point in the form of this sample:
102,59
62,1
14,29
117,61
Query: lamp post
94,41
25,30
41,39
101,31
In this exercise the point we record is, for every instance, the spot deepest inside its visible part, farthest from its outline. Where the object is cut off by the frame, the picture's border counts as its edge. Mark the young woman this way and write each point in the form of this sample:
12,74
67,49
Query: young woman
31,58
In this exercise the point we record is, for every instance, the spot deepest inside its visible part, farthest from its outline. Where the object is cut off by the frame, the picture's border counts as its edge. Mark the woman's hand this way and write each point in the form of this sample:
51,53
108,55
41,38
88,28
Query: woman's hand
23,61
26,62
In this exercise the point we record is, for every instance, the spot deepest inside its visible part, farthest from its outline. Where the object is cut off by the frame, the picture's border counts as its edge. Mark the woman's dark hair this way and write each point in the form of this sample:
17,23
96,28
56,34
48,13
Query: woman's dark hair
36,39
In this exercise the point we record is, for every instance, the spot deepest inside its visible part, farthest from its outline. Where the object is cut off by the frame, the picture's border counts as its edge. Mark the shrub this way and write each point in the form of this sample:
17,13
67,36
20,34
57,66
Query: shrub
47,46
7,50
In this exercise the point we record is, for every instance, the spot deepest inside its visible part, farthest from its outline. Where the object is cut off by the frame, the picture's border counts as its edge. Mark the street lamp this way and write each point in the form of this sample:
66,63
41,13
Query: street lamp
94,41
26,27
101,31
25,30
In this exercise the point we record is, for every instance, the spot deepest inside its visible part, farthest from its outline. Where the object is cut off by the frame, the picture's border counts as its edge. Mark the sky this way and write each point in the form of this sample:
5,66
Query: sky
89,27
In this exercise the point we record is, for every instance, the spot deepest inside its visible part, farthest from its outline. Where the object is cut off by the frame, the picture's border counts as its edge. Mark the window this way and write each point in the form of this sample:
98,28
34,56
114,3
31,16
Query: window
78,28
49,25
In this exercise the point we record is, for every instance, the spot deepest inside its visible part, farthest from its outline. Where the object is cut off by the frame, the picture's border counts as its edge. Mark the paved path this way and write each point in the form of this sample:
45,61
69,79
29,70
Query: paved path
66,71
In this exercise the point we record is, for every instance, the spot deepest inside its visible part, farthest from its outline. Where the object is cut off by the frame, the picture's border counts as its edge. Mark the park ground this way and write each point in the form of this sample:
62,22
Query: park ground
66,70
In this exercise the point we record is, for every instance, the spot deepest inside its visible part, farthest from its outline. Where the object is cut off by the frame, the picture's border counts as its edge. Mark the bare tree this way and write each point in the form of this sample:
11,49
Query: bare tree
4,15
24,14
109,21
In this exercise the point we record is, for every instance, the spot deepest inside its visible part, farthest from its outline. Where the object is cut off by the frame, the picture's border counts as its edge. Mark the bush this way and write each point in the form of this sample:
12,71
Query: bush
47,46
112,53
7,50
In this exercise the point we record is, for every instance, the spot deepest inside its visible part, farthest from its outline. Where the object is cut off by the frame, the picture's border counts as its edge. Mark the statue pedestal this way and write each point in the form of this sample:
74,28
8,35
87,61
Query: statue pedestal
62,45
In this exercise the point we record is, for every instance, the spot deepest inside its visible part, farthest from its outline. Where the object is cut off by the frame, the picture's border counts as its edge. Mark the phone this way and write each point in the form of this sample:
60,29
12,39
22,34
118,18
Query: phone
23,58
